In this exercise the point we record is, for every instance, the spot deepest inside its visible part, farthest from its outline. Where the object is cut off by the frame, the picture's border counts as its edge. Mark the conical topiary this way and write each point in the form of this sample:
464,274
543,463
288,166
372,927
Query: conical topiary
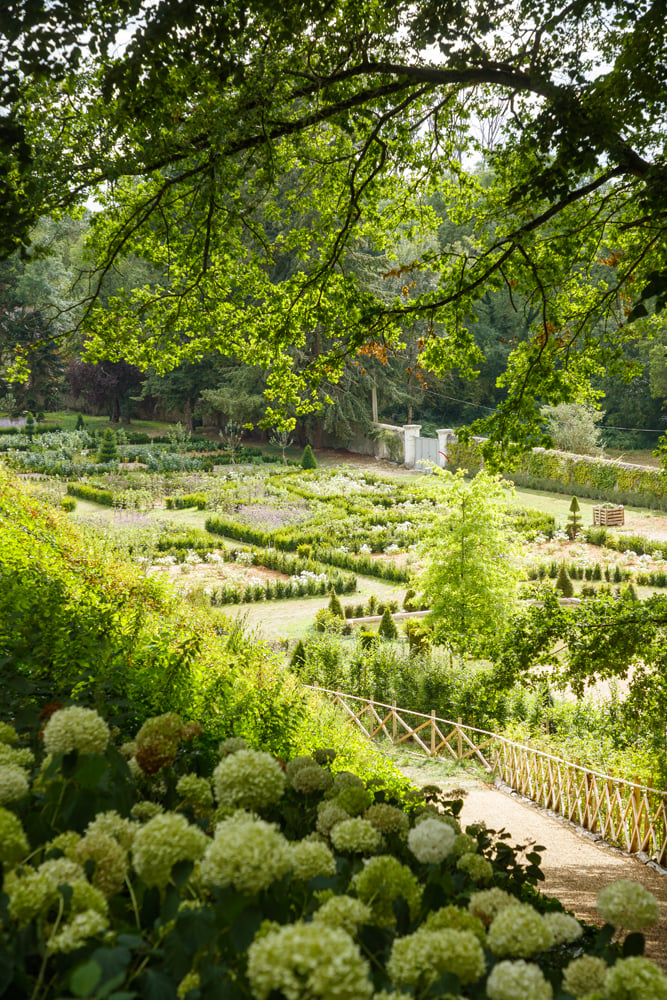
79,425
387,629
308,460
108,452
574,518
335,607
563,582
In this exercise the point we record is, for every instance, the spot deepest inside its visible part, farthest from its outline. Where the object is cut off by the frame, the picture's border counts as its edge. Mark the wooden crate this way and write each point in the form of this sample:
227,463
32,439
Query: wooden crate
606,514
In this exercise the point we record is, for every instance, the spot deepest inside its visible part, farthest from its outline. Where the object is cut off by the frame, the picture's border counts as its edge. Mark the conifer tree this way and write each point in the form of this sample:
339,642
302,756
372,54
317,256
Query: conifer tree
387,628
308,460
335,607
108,452
563,582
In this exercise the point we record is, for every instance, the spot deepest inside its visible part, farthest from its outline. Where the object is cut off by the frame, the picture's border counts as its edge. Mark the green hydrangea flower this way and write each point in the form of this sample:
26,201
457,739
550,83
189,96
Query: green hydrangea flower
421,958
585,976
517,981
248,779
13,841
635,978
247,853
381,881
161,843
629,905
76,728
345,912
519,931
311,961
355,836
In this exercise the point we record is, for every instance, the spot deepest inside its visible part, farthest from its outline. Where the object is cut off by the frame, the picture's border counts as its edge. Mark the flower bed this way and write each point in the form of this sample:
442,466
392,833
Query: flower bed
138,874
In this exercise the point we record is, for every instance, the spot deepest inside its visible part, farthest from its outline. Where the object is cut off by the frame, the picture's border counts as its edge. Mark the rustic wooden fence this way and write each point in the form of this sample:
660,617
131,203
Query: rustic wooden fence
624,813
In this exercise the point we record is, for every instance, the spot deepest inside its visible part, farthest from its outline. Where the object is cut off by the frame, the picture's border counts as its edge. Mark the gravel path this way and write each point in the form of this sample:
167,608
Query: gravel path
576,865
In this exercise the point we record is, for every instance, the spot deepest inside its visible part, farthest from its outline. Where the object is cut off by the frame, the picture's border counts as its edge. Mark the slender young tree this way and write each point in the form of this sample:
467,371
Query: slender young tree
470,561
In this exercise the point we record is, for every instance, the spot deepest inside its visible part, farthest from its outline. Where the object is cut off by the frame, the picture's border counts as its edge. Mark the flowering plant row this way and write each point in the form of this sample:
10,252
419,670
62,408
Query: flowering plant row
128,873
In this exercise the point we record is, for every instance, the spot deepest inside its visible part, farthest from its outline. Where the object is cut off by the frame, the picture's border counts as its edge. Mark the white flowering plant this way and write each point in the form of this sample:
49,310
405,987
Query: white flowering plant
142,874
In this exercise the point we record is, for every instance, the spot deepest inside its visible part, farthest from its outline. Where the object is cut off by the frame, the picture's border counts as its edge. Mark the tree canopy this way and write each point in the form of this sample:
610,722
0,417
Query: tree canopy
266,161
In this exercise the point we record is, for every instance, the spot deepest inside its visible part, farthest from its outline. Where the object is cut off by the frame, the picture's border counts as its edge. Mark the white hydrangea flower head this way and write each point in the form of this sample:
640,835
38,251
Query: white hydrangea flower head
311,779
35,891
116,826
431,841
564,927
328,814
7,733
231,745
635,978
486,903
294,765
196,791
76,728
111,862
75,932
16,756
517,981
13,841
464,844
421,958
585,976
247,853
382,880
65,842
346,779
629,905
158,740
519,931
479,869
388,819
248,779
162,842
13,783
454,917
311,858
345,912
308,960
145,810
355,836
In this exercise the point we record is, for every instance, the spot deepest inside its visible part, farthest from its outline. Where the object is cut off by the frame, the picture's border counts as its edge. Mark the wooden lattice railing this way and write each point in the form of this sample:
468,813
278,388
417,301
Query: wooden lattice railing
624,813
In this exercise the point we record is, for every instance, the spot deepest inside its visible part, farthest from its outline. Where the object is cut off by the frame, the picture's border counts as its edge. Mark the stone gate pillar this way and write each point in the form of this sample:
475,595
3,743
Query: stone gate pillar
446,437
411,433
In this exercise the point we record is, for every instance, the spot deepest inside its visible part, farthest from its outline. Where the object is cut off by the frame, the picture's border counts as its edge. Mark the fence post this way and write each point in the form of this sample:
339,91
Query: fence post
635,839
459,739
394,728
432,732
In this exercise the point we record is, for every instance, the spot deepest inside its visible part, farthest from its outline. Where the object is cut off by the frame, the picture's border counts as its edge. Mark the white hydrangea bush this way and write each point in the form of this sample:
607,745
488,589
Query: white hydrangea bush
259,878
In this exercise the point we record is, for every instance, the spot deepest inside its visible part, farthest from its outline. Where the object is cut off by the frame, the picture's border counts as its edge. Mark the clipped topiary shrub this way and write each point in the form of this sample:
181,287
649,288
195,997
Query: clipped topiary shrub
387,628
308,460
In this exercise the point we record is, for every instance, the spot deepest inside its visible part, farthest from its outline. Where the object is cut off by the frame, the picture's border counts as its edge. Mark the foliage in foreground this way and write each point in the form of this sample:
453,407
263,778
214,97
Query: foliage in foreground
139,873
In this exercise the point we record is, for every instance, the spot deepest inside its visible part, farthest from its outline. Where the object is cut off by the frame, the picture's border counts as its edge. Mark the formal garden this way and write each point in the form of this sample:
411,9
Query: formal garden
181,817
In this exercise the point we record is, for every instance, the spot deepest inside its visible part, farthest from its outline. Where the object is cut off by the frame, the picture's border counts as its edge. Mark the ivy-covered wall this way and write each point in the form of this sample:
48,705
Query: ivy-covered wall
563,472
